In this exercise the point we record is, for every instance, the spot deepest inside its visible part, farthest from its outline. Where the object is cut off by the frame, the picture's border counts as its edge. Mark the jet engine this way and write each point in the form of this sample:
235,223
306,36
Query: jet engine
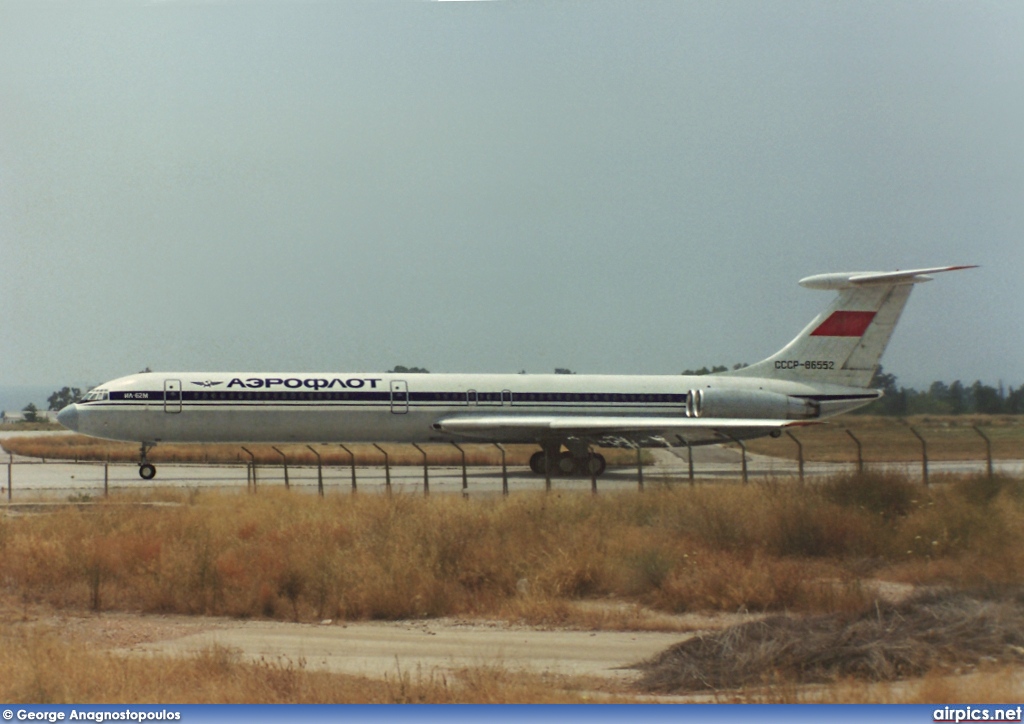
758,404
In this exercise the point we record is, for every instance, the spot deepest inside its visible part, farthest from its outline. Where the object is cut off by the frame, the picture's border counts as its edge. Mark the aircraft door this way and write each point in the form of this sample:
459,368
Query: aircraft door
399,397
172,395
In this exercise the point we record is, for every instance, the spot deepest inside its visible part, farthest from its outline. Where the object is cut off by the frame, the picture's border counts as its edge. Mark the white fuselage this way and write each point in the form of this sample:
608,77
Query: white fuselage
392,407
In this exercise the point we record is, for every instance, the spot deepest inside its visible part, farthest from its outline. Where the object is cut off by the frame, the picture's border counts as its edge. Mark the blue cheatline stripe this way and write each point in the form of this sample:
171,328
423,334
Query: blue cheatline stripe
495,398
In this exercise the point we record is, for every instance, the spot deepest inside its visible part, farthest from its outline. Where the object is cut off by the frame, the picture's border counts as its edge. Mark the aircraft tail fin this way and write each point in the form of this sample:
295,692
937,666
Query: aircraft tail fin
843,344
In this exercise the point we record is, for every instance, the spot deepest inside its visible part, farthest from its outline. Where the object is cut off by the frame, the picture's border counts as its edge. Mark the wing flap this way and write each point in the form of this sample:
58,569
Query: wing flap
543,425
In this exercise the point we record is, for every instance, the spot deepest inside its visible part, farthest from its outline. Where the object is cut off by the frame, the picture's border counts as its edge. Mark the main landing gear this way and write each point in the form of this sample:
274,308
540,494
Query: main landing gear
146,470
567,463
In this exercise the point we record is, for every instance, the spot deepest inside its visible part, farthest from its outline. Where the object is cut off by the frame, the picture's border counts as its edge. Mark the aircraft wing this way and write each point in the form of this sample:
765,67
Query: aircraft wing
694,430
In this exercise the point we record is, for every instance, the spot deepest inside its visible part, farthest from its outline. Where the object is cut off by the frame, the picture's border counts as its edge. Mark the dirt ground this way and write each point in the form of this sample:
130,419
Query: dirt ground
378,648
385,648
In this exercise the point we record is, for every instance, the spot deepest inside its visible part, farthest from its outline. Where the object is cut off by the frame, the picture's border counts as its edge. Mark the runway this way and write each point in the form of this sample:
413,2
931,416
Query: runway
32,479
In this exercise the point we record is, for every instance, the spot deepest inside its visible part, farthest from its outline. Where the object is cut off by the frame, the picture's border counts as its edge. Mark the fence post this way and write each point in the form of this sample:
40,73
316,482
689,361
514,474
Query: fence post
799,453
387,469
252,470
319,471
465,480
924,455
10,476
743,454
593,472
284,461
504,471
689,455
547,470
106,478
988,449
426,479
353,456
860,454
639,468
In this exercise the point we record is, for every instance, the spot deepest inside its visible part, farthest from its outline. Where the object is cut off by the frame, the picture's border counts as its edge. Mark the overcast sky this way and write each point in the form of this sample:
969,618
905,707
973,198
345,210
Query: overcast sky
613,187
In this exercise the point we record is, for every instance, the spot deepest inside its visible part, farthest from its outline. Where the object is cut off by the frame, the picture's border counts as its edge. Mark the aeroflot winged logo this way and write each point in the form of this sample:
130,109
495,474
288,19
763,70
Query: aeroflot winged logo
208,383
312,383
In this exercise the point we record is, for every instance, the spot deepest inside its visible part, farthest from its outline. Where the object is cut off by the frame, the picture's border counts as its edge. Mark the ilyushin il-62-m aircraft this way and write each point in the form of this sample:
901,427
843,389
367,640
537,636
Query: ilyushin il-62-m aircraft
826,370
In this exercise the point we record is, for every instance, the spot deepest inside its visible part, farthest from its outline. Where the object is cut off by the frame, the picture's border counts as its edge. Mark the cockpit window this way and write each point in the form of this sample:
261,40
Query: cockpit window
95,395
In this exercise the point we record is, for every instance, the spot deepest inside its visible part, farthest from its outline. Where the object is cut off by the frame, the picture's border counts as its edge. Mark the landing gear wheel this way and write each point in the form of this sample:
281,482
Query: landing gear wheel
147,471
595,464
566,463
537,462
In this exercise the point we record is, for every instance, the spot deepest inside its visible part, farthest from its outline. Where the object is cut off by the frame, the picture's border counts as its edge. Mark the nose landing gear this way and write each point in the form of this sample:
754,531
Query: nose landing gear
146,470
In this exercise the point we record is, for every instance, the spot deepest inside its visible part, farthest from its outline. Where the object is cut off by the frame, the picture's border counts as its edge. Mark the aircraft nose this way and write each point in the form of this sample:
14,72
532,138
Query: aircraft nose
68,417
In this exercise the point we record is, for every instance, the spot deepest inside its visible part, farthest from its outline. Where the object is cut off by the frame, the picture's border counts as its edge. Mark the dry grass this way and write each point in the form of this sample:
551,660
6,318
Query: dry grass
767,547
623,561
987,683
30,426
888,439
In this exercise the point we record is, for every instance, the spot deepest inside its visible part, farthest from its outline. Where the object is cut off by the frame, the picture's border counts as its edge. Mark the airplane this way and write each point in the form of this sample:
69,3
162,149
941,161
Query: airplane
826,370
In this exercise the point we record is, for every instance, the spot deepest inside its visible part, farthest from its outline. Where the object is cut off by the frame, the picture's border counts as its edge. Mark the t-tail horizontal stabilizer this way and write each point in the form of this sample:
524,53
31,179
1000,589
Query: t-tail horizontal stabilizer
850,280
844,344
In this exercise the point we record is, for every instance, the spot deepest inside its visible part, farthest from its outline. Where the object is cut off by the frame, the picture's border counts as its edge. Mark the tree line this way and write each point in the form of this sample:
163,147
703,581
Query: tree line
954,398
